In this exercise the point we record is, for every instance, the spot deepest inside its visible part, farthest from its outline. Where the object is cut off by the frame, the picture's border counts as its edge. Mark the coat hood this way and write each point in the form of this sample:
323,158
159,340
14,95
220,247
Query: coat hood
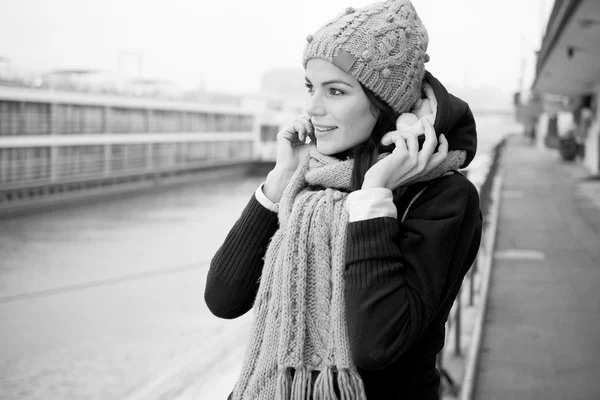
454,119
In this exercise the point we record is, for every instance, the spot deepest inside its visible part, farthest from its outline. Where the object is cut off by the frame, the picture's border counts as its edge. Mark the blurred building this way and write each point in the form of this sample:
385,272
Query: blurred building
77,140
105,82
564,99
153,87
82,80
13,74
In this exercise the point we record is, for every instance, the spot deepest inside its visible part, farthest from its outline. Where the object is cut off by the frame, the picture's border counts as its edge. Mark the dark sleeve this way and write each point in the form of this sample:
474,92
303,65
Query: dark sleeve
396,271
232,281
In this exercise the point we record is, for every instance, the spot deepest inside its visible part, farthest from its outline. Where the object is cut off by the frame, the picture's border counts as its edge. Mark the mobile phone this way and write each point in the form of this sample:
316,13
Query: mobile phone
311,135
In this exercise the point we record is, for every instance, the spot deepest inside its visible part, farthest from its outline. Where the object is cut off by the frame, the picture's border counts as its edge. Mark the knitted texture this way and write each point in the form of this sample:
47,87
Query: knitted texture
300,321
382,45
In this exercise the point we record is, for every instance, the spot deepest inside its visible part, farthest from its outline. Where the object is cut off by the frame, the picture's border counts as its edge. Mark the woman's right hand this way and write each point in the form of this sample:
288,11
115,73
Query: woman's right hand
291,149
291,143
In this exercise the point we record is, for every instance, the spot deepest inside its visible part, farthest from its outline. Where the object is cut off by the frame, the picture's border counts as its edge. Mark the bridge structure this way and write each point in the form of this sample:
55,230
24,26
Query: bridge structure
61,146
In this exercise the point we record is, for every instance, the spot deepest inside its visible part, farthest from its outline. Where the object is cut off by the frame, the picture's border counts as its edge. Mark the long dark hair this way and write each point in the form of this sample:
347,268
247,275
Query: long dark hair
365,154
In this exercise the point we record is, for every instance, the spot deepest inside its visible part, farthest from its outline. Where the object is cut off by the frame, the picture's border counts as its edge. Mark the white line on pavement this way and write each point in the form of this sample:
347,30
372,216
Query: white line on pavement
519,254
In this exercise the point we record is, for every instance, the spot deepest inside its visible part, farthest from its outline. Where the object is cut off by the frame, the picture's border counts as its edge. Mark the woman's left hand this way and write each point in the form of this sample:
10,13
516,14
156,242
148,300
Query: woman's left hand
406,162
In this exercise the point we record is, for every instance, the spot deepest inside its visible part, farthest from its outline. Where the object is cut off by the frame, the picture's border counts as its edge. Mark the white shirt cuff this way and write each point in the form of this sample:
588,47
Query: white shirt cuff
371,203
264,201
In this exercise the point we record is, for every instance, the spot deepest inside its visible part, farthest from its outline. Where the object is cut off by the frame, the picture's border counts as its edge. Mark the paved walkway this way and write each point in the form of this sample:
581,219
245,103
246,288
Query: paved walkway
541,338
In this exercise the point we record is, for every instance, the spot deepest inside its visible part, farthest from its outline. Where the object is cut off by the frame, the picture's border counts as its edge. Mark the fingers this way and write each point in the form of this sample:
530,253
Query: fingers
443,147
308,127
431,141
400,145
387,139
407,145
412,143
429,132
393,137
299,130
439,156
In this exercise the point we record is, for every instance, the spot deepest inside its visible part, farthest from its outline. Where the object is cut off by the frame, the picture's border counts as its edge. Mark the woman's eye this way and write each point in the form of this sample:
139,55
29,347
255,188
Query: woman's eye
332,91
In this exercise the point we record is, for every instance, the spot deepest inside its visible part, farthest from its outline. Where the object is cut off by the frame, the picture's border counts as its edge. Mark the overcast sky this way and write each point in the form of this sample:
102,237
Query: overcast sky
226,45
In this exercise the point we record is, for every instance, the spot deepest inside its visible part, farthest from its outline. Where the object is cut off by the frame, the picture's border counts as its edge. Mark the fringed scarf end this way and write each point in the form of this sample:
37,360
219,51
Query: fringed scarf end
324,386
301,386
351,385
284,384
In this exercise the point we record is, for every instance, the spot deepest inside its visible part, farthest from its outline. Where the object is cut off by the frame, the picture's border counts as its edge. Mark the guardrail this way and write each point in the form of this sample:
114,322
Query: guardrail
41,169
484,183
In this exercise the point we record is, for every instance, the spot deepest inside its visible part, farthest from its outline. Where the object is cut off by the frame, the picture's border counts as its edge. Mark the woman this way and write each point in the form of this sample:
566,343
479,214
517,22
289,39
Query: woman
353,250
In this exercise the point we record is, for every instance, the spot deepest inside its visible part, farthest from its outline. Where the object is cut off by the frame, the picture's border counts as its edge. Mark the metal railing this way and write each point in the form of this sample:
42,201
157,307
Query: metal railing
471,284
43,168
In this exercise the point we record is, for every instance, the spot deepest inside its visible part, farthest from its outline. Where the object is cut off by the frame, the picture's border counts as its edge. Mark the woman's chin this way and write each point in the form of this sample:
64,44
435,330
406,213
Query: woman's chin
327,149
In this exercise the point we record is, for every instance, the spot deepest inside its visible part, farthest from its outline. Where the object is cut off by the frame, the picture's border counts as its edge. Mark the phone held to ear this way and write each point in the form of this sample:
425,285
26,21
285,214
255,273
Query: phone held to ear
311,135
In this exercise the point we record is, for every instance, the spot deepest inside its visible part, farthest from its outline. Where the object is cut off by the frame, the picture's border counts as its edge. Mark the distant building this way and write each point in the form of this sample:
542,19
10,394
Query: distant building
98,81
567,79
56,144
152,87
82,80
202,96
16,75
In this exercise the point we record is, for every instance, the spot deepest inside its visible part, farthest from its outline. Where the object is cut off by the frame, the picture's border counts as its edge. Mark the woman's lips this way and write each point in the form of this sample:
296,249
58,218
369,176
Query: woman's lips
323,129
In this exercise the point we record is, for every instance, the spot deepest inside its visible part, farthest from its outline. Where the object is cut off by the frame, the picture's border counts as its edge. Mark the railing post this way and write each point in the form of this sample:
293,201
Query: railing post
149,156
457,324
148,122
472,282
52,118
107,126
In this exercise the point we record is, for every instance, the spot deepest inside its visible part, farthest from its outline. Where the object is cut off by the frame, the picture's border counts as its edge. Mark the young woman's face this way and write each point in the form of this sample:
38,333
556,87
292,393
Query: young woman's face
339,109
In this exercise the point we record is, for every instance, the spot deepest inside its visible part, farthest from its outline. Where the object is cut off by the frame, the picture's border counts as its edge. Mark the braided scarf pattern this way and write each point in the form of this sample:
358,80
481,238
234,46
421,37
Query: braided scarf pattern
299,321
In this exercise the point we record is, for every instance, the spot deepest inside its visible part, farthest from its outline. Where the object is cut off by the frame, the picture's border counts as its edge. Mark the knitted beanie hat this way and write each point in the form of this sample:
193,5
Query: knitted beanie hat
382,45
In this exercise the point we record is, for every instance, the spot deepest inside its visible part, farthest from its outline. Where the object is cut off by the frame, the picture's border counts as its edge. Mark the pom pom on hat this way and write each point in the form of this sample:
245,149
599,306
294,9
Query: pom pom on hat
405,120
424,108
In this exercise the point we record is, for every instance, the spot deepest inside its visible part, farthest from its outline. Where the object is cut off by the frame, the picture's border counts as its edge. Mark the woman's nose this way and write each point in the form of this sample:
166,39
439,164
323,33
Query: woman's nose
314,106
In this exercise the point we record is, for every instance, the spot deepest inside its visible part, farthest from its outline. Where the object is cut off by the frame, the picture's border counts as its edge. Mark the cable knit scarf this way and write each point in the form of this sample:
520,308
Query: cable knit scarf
300,323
